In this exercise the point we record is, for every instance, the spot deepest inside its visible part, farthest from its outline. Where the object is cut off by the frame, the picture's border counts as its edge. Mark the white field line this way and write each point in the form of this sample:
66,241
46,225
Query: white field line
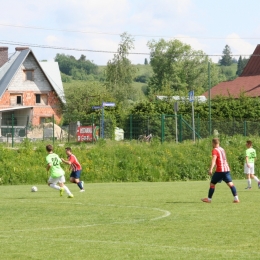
166,214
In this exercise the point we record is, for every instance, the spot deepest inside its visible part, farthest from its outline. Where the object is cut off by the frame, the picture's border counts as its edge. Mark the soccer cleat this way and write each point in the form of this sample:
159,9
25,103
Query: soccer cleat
206,200
82,184
248,188
61,191
236,201
82,190
70,196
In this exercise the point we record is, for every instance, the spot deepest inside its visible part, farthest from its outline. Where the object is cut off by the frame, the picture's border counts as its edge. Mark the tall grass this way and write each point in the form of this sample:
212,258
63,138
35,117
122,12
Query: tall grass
111,161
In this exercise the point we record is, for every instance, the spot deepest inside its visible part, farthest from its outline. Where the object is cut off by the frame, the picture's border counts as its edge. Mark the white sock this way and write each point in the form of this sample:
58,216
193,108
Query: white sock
54,186
67,189
236,198
249,182
256,179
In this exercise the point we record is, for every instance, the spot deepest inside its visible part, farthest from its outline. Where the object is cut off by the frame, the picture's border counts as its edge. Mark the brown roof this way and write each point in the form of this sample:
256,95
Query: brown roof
248,82
253,66
249,85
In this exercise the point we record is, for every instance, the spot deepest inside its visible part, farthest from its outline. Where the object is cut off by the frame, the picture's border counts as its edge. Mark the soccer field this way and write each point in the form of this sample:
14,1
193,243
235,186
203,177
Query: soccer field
130,221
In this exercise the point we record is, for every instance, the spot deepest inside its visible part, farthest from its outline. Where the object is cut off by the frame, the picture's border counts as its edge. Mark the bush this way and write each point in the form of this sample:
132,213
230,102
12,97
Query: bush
111,161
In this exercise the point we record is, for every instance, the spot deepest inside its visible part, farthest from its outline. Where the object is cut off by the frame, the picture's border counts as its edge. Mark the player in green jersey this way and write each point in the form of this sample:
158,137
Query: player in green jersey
56,172
249,167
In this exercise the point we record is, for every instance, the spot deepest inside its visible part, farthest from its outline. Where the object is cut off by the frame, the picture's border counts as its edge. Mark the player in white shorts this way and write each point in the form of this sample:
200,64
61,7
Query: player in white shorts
249,167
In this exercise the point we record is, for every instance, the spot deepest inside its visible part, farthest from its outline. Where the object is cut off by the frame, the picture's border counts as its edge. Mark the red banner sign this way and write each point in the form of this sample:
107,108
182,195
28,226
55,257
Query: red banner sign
84,133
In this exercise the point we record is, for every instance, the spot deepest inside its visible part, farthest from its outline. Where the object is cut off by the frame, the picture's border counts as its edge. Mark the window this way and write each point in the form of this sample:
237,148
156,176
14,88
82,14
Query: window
41,99
18,100
28,75
38,98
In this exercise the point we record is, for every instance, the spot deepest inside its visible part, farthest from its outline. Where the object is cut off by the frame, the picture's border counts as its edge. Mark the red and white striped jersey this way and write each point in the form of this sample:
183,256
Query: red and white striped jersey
75,165
221,161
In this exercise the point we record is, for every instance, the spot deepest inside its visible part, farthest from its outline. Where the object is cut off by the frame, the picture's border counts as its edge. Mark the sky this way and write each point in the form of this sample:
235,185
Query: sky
96,25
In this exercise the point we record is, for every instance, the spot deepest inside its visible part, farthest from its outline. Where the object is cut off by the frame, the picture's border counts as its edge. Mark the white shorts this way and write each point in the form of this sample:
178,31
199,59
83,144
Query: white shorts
249,170
60,179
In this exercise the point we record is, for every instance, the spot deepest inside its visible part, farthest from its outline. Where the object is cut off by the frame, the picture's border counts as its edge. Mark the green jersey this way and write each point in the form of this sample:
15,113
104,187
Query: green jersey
54,161
251,154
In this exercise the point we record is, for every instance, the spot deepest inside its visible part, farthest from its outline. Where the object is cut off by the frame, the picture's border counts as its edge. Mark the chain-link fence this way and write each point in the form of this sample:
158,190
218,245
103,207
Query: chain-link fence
15,128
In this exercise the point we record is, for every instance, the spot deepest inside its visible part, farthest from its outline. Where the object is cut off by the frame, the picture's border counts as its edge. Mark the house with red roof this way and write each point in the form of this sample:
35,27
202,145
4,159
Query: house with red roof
248,82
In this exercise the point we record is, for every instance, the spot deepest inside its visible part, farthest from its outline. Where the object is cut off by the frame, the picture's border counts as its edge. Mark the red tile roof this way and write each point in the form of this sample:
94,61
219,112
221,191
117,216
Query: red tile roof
248,82
249,85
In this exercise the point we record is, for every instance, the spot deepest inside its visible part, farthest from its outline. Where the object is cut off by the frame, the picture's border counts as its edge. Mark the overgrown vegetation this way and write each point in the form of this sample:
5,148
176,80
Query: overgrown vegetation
109,161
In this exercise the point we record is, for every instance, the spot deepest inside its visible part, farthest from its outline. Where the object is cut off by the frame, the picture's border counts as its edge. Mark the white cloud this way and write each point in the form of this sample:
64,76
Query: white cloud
193,42
239,46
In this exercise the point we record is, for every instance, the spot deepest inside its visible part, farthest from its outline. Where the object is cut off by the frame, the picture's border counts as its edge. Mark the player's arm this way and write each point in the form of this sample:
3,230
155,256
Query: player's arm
65,161
48,167
213,162
247,164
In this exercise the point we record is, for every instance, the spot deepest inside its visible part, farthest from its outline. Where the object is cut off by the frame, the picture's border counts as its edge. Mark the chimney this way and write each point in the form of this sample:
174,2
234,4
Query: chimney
3,55
21,48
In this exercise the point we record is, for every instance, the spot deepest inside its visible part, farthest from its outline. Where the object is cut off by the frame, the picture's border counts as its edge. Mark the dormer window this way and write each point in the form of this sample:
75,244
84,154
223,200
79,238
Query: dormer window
28,75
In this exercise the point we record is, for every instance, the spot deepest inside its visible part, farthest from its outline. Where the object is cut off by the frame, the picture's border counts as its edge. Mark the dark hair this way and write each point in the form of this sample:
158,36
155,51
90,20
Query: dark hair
68,149
215,141
249,142
49,148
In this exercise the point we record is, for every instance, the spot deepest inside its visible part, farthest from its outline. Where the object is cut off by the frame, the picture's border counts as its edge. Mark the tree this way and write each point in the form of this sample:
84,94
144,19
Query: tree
177,68
120,72
241,65
81,97
226,58
146,61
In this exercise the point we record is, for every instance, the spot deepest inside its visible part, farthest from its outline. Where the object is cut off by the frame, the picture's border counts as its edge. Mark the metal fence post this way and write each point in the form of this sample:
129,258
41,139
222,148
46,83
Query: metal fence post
131,127
12,130
198,124
180,128
92,123
162,128
53,129
245,128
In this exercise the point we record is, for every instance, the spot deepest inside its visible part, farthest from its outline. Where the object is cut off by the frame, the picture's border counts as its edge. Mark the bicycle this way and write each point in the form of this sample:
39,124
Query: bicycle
144,138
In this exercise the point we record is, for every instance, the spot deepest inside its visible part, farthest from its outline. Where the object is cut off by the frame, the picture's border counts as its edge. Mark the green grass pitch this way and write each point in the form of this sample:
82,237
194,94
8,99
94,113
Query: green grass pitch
130,221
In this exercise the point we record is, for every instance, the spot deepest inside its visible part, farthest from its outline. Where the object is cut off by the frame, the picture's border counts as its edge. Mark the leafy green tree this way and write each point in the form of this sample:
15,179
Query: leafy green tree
120,72
81,97
226,58
146,61
68,64
177,68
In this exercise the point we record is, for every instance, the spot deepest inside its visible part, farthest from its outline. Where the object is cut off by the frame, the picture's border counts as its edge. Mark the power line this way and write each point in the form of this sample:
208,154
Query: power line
136,35
105,51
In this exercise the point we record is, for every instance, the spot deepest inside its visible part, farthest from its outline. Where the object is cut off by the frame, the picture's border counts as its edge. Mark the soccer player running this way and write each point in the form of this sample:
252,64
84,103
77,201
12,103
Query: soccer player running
249,167
222,171
75,169
56,172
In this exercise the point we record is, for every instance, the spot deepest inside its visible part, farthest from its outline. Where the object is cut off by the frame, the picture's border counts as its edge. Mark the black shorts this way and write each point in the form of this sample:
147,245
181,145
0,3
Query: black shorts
221,176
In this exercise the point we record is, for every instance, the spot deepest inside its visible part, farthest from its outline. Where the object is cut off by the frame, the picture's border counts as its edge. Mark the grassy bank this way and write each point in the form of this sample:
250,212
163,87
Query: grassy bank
108,161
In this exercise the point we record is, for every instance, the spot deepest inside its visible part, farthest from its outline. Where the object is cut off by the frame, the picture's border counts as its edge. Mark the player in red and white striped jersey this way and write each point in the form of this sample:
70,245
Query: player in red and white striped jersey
222,171
75,168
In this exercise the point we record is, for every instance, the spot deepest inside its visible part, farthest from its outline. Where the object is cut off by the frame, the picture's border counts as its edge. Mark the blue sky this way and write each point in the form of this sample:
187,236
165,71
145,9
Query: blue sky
205,25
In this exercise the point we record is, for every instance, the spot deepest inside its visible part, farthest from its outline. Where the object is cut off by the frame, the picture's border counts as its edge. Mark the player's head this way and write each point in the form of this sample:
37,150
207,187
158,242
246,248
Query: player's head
215,142
68,151
249,143
49,148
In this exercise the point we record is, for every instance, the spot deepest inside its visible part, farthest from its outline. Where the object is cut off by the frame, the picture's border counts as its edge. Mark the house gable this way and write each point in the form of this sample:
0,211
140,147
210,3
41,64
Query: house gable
38,83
